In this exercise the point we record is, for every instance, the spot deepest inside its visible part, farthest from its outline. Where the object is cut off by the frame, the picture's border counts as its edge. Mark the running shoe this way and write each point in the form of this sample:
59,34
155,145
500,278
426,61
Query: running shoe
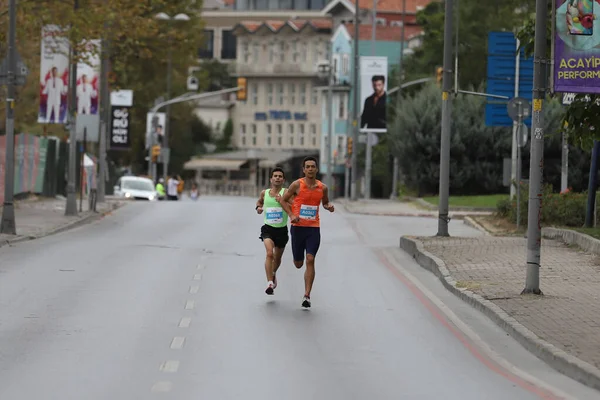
269,289
306,302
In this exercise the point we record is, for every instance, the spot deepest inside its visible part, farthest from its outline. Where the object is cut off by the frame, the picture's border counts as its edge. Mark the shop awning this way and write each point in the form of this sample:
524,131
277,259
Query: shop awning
214,164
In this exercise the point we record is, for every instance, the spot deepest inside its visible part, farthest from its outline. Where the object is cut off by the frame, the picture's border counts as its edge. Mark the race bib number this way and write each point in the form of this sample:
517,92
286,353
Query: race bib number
308,212
274,215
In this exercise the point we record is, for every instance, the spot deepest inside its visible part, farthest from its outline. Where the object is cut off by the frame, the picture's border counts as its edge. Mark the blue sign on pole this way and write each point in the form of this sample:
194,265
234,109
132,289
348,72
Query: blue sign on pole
501,68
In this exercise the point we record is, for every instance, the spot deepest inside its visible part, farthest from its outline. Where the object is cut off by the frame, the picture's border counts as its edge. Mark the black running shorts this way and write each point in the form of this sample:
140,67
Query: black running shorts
279,236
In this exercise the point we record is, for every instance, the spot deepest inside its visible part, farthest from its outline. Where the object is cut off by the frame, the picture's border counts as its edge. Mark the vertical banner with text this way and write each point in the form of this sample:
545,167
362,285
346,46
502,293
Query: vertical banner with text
373,94
121,102
54,76
577,46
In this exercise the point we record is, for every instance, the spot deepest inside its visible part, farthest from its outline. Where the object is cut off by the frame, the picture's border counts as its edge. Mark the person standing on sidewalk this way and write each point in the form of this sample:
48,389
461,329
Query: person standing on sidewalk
172,186
304,214
274,232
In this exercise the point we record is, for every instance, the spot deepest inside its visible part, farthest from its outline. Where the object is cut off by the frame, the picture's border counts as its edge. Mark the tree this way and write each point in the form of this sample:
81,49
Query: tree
476,19
224,141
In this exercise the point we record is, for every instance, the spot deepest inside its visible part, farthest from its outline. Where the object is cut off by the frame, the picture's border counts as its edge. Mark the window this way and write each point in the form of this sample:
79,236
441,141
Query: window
254,129
316,52
243,129
269,129
304,50
268,140
280,94
342,106
314,141
243,140
291,141
313,129
345,64
295,53
301,140
272,53
292,94
253,140
326,49
254,93
255,52
282,51
208,47
279,140
315,97
228,45
246,52
270,93
303,93
279,129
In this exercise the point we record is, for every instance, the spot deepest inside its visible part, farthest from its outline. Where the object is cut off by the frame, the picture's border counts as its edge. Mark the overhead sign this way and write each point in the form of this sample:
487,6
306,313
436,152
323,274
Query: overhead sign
577,46
119,128
121,98
54,75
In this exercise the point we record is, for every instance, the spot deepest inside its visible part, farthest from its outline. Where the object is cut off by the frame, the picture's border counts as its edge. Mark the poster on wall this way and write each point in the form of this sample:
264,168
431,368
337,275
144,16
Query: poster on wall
54,76
577,46
373,94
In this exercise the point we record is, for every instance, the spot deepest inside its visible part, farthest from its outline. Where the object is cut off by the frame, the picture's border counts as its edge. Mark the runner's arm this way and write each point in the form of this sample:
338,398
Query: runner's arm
286,202
326,204
261,202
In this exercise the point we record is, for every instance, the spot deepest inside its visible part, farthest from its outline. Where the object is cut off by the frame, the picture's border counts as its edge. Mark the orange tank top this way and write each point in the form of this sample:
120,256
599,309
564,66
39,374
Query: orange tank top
306,204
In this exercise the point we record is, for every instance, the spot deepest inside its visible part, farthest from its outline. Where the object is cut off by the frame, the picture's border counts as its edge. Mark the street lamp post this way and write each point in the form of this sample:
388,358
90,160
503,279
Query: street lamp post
71,206
166,17
326,70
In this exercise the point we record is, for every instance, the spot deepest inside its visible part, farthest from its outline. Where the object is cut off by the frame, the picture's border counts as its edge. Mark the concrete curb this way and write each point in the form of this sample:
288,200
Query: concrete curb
71,225
419,215
586,242
474,224
558,359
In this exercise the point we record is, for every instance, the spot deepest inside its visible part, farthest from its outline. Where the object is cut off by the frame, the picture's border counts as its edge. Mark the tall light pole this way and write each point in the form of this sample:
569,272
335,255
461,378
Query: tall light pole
327,71
446,121
396,166
355,111
104,115
8,211
71,206
166,17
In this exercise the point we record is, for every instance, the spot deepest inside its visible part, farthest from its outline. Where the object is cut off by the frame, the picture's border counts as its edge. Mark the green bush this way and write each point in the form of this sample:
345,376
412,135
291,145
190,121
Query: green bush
564,209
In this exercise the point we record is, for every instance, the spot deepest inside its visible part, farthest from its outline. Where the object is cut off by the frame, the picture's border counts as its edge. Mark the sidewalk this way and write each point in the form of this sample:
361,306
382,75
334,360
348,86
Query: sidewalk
40,217
562,327
399,208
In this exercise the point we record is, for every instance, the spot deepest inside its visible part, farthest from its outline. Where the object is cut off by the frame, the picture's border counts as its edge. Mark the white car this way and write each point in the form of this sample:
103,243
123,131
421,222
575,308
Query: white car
136,188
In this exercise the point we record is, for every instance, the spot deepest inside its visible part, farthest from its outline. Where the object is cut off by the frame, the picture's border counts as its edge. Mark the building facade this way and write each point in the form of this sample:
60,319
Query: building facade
280,61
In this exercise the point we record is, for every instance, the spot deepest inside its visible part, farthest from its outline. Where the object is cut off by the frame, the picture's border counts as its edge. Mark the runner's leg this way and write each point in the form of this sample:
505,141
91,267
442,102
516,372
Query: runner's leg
277,254
313,242
298,245
269,247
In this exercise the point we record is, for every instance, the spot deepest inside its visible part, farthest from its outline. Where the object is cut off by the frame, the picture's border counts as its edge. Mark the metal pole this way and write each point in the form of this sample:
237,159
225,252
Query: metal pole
532,282
356,102
518,161
592,186
8,226
445,139
71,206
395,168
329,158
104,117
81,169
564,170
513,172
168,113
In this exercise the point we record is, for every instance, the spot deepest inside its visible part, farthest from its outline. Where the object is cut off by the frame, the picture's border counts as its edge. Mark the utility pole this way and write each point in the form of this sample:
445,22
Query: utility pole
331,71
515,140
444,190
104,114
71,207
168,111
532,282
356,101
396,166
369,155
8,225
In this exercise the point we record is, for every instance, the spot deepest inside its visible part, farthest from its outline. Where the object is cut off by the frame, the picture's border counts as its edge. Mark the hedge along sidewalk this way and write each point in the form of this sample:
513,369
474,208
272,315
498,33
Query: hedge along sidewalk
35,219
562,327
398,209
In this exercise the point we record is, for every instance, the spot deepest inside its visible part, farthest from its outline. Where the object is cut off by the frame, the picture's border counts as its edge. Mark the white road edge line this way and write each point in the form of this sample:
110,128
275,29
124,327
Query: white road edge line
169,366
163,386
190,305
185,322
177,343
467,331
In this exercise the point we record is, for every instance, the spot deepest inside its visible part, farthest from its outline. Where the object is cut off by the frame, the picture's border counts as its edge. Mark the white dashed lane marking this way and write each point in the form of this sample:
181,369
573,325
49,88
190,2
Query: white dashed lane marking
194,289
162,387
190,305
185,322
177,343
169,366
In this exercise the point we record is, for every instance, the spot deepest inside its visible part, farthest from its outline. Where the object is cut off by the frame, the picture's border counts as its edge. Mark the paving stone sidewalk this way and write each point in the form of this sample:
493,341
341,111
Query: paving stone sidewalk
398,208
567,316
39,217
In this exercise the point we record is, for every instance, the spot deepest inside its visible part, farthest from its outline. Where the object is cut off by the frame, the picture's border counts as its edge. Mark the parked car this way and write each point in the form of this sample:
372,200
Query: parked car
136,188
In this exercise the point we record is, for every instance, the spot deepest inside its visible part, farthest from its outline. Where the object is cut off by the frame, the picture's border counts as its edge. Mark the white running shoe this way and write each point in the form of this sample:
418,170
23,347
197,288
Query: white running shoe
306,302
270,289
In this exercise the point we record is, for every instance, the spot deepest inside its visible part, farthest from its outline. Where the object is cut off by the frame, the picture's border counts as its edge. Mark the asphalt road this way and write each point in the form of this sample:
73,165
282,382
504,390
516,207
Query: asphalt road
166,300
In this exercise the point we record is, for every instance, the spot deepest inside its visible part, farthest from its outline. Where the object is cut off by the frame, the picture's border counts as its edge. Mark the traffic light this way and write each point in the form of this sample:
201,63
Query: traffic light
439,72
242,93
155,152
349,146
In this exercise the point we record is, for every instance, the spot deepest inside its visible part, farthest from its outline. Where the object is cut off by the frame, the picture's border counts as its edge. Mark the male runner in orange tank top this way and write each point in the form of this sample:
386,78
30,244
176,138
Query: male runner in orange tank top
309,193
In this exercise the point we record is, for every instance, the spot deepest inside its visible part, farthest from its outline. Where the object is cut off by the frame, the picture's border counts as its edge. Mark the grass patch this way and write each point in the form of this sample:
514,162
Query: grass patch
469,285
484,201
593,232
